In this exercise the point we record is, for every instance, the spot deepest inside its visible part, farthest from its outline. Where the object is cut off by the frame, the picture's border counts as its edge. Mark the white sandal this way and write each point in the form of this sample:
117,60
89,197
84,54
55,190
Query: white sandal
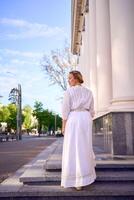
78,188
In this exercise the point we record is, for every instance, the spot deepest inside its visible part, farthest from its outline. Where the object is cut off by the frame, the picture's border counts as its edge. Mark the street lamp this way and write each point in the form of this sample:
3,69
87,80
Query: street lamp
55,121
15,97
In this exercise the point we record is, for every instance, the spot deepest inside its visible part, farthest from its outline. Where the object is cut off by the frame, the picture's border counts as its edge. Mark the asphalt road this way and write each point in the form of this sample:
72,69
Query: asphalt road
14,154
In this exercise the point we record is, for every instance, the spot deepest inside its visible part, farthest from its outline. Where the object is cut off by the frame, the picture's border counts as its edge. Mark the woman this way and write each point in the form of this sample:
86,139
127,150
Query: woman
78,158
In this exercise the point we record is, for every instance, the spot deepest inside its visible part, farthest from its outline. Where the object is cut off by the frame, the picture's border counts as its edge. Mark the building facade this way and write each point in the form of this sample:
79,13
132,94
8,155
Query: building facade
103,39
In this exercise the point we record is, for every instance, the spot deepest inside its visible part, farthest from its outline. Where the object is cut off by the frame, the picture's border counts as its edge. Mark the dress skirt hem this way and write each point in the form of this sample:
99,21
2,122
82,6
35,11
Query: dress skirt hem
81,182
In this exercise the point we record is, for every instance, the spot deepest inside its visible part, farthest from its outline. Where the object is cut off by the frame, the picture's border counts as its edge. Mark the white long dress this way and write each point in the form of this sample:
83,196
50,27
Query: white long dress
78,158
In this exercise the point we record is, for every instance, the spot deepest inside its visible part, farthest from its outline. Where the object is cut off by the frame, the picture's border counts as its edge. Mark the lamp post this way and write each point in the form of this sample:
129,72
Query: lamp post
15,96
55,122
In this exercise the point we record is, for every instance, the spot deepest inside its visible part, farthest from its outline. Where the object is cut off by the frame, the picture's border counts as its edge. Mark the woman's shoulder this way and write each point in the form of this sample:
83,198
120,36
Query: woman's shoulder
87,89
82,87
67,91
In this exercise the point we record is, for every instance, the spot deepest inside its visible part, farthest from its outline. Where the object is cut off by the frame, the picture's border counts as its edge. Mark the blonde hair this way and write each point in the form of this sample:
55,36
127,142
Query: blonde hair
77,75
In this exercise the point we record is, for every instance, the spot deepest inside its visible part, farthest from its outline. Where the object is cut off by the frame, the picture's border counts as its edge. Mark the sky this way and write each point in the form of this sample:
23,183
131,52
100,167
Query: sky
30,29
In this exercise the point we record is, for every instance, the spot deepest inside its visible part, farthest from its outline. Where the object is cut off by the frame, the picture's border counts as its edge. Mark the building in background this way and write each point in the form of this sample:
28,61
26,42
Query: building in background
103,39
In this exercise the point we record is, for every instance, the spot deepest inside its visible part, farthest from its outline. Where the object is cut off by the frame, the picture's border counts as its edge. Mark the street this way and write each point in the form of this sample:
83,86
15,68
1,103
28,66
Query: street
14,154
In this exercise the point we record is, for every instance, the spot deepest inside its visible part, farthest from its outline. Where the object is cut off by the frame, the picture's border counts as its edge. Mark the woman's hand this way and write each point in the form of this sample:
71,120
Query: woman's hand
63,126
63,130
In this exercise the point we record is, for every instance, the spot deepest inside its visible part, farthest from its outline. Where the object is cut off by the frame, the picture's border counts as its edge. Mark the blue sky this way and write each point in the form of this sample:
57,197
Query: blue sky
28,30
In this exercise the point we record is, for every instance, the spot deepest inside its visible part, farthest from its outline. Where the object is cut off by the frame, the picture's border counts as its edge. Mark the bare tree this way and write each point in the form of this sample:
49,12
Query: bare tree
58,64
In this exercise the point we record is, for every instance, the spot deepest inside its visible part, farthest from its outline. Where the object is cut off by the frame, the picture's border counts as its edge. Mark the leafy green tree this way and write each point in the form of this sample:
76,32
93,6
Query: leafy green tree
12,120
58,121
4,113
8,114
27,112
38,112
50,120
45,118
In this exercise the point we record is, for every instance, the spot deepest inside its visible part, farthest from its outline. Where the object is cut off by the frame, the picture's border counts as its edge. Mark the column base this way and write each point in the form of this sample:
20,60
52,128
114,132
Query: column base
117,130
125,104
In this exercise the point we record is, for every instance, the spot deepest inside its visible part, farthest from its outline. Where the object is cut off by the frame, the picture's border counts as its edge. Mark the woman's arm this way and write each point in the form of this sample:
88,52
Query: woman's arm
63,126
65,110
92,110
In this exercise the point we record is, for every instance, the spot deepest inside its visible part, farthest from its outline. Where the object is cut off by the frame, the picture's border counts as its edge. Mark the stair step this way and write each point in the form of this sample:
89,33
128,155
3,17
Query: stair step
101,176
53,177
94,191
55,165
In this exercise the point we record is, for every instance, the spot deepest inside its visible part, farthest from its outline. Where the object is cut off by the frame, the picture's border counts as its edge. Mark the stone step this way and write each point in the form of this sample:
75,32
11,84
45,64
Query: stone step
40,173
48,171
55,177
94,191
54,161
55,165
101,176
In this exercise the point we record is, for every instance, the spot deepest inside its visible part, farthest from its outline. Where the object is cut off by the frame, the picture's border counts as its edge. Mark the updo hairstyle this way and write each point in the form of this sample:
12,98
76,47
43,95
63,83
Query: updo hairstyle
77,75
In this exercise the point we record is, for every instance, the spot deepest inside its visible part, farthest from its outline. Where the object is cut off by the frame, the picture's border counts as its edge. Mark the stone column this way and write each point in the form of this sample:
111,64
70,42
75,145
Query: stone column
81,57
122,42
104,71
84,60
86,52
91,37
79,62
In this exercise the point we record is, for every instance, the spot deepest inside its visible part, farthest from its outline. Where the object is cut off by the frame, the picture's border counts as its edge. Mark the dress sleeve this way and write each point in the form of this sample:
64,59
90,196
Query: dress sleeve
66,105
92,111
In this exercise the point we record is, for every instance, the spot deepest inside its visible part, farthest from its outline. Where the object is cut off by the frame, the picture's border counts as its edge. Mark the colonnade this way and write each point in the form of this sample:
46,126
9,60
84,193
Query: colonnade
107,54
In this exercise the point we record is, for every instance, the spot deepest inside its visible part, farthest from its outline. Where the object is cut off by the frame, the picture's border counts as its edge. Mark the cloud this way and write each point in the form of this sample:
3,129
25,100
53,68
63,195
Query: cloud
20,62
14,22
6,83
27,30
20,58
27,54
7,71
19,70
